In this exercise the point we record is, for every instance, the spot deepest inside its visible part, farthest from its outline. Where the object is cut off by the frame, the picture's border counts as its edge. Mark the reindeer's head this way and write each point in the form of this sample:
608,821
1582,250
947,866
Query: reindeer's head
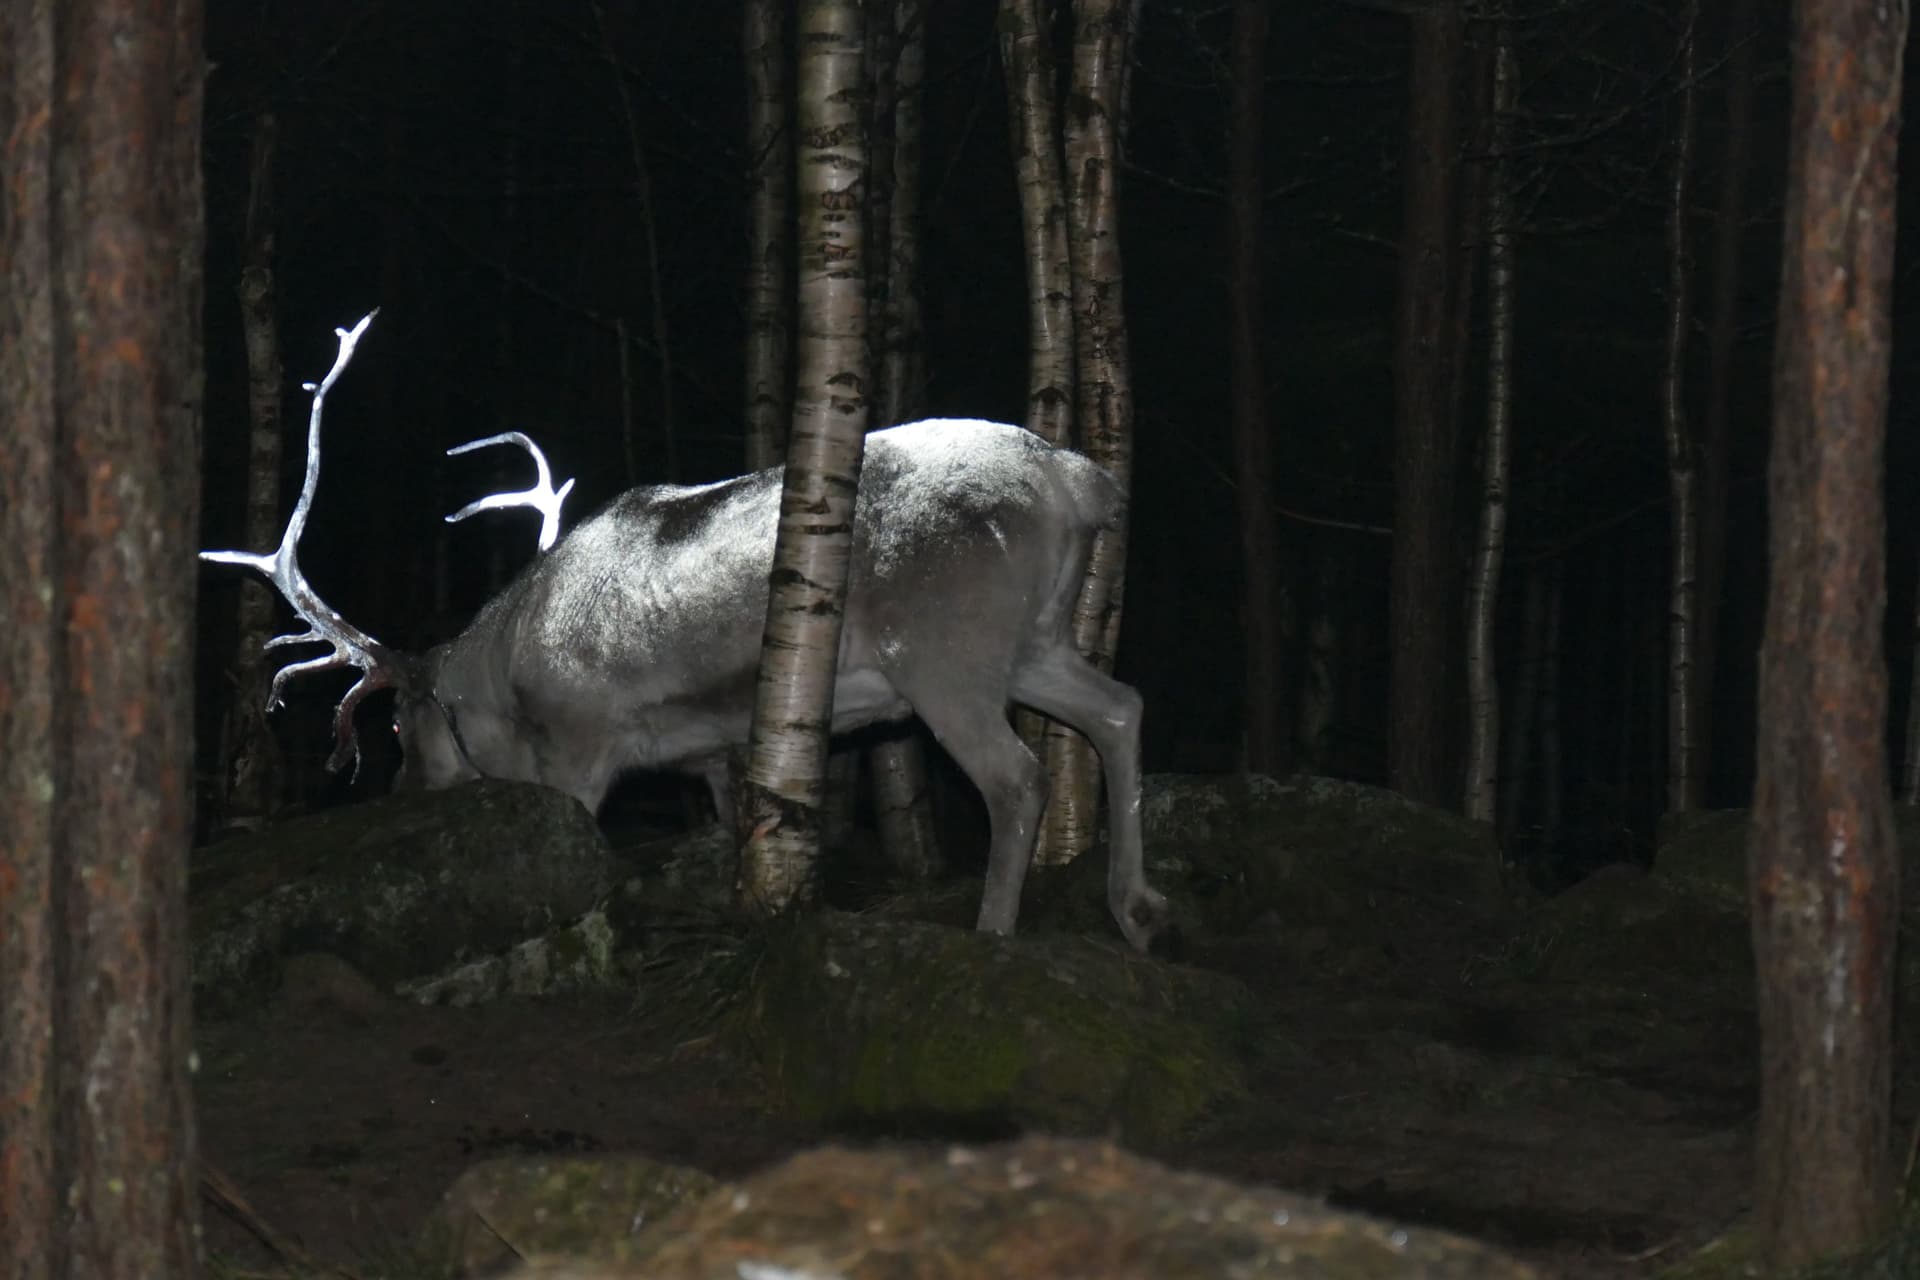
435,753
433,750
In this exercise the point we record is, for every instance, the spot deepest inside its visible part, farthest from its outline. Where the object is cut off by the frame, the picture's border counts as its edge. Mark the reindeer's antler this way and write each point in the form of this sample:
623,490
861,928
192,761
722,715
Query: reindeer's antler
378,665
543,497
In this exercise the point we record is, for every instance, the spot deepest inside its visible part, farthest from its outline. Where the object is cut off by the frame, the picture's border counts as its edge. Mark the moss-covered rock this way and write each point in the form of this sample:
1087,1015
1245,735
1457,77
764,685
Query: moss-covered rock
1706,853
1623,929
1342,879
1039,1209
400,887
576,1206
1702,858
908,1025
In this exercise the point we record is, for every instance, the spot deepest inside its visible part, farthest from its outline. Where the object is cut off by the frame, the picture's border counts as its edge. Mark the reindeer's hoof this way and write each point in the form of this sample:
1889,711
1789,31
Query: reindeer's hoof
1142,914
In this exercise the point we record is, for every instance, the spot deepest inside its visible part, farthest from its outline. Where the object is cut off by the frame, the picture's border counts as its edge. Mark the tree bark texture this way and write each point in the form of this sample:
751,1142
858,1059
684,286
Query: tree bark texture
902,798
1823,875
1026,52
903,348
1091,126
1423,579
882,68
1551,773
1910,766
1266,740
1324,622
1483,587
1682,477
100,308
1517,739
793,702
1029,63
769,292
252,769
1723,331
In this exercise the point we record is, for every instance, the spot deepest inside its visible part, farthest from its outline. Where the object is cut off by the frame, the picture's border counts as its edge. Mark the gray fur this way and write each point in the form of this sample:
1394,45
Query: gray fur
633,643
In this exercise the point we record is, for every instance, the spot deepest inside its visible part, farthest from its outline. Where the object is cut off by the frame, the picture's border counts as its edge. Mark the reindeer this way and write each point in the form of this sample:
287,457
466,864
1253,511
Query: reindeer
632,642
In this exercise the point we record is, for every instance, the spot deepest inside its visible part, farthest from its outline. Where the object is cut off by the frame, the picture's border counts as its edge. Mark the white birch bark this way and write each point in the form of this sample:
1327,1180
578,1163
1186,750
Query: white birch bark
793,705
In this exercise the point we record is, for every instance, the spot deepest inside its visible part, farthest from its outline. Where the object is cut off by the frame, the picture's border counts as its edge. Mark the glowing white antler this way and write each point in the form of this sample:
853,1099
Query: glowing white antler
543,497
352,647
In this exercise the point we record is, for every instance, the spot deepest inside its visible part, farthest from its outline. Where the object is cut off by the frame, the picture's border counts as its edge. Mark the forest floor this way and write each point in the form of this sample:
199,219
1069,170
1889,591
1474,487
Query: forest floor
1570,1089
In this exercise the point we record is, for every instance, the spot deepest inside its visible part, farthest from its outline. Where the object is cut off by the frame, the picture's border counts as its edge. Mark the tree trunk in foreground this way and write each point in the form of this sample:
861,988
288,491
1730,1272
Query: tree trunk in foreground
806,605
100,307
1823,875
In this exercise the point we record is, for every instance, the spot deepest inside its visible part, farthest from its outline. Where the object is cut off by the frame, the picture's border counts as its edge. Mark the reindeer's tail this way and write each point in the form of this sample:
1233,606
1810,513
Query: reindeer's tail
1098,498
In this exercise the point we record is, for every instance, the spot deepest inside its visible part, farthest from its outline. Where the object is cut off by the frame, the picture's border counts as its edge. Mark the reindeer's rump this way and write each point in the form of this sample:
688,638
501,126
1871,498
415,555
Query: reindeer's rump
961,525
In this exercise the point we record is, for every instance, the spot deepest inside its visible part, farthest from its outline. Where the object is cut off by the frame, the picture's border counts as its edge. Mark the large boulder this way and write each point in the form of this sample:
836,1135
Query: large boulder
1038,1209
399,887
1334,878
904,1025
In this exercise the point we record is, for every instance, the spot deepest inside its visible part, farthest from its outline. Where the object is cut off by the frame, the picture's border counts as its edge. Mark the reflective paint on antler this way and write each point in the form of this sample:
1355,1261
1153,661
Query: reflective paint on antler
543,497
351,646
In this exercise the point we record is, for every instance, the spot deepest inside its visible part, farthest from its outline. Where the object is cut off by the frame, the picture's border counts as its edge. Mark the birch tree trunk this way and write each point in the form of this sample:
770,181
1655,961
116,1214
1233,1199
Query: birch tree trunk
1026,51
1419,740
902,803
1483,588
1032,70
769,293
101,245
1104,388
1823,873
252,769
1265,740
793,702
1682,481
1723,329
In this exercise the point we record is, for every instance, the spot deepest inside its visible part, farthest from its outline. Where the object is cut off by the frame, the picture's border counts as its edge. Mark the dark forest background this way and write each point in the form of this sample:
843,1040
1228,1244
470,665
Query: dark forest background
476,171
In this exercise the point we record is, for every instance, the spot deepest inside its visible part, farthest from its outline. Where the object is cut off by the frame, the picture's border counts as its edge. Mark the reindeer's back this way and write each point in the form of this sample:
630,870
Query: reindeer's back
666,586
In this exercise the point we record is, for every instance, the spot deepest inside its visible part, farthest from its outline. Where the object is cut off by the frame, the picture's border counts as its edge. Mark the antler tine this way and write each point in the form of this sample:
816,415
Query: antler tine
352,647
543,497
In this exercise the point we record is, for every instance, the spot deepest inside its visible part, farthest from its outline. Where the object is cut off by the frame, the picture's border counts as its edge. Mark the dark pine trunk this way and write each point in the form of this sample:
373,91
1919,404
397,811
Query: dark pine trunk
1266,745
1822,871
100,245
1716,435
1421,729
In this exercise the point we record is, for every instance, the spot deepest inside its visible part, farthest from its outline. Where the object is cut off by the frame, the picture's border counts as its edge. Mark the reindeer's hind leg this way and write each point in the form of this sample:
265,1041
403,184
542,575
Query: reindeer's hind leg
976,734
1067,687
